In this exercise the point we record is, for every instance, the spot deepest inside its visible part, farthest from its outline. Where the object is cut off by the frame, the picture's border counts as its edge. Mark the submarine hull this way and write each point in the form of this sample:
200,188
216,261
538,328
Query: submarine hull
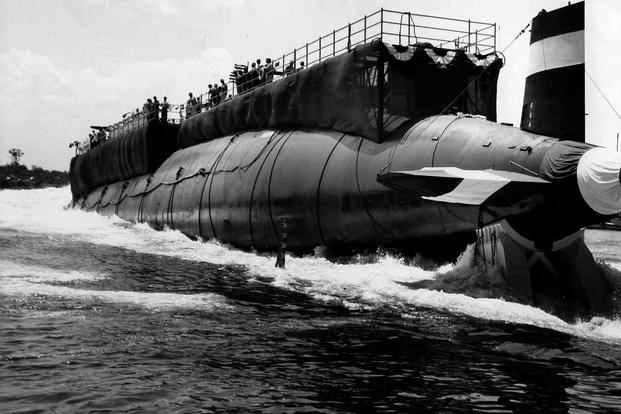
324,182
327,185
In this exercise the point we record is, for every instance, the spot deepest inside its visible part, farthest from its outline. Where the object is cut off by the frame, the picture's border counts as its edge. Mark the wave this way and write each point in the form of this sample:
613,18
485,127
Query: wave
20,280
382,281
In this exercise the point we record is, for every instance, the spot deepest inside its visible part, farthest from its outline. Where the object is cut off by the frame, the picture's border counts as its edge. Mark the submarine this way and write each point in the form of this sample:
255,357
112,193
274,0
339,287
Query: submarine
385,141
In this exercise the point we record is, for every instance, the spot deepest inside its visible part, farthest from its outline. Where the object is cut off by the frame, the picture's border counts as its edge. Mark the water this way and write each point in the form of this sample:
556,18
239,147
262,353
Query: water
99,315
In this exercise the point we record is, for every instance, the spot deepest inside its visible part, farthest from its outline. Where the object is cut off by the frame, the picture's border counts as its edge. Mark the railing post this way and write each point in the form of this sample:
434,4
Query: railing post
409,20
295,59
476,40
468,35
382,24
365,29
319,48
494,37
306,63
348,37
333,43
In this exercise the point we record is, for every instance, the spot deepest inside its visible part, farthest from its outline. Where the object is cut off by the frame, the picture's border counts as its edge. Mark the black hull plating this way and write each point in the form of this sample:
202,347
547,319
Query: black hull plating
237,188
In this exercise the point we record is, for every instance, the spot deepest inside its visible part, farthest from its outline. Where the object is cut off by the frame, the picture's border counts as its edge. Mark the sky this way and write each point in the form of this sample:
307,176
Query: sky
69,64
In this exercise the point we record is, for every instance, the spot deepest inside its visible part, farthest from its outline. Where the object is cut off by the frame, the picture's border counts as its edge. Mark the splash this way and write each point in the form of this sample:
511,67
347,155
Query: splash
382,281
471,276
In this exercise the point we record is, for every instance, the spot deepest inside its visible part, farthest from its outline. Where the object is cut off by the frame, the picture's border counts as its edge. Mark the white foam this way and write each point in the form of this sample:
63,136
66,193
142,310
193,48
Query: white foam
22,280
359,284
599,327
35,274
355,285
149,300
616,266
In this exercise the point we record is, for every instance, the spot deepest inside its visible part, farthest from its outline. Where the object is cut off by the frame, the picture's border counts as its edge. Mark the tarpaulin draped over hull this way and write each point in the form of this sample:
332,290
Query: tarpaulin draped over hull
139,152
560,166
342,93
434,79
561,161
594,169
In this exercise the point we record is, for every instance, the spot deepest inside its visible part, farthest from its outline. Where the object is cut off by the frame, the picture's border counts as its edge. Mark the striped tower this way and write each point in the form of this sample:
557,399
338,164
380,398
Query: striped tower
554,91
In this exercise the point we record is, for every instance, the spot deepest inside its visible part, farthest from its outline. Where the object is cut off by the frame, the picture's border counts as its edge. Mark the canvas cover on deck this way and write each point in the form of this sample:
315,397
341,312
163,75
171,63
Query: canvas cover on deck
561,160
139,152
423,80
342,93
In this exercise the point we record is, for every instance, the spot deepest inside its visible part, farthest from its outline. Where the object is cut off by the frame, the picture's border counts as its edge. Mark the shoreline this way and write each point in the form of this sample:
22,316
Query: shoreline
20,177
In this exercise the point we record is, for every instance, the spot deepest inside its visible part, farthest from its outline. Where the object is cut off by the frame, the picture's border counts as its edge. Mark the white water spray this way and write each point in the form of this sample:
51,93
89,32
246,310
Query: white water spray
378,284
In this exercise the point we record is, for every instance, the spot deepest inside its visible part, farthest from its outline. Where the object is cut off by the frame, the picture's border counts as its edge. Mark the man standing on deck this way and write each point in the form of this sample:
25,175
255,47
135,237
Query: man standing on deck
149,109
213,94
210,103
253,77
145,107
101,136
156,108
223,90
290,68
189,108
268,71
164,114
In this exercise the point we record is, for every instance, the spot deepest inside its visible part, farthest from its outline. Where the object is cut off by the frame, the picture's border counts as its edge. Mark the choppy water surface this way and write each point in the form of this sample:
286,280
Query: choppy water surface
97,314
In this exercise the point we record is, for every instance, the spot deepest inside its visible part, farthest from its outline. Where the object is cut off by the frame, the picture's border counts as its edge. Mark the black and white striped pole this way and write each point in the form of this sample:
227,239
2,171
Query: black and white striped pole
554,90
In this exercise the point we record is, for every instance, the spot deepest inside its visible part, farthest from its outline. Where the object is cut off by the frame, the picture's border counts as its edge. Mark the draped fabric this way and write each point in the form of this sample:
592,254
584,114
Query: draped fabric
599,180
561,160
585,179
437,80
369,91
343,93
439,56
139,152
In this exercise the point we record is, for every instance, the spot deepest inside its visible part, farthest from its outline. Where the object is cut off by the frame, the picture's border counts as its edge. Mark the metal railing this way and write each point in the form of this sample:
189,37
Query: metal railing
389,26
133,120
401,28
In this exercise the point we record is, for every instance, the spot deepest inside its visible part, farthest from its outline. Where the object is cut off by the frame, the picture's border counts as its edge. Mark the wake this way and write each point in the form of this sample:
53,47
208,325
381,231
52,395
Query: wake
372,282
